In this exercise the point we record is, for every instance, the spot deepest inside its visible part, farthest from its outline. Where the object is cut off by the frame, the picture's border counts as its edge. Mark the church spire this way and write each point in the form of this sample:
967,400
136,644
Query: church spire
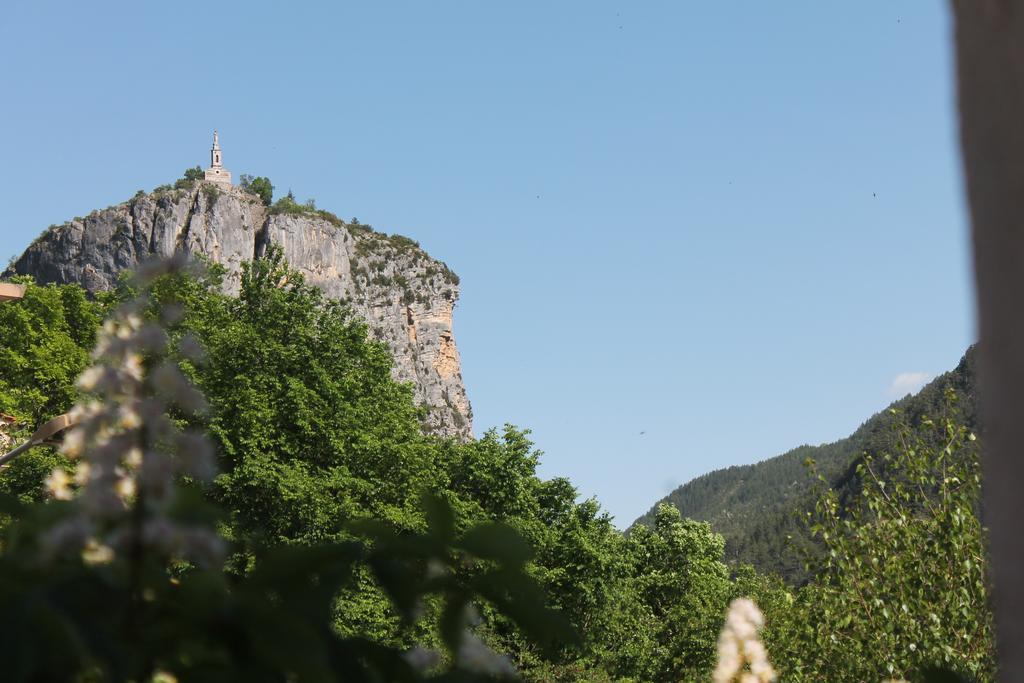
217,173
215,151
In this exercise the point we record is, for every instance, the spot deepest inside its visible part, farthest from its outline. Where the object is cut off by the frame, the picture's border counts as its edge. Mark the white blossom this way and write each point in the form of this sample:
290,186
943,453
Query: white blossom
133,366
73,442
130,454
741,655
133,458
474,656
422,659
72,532
88,380
97,553
58,484
125,488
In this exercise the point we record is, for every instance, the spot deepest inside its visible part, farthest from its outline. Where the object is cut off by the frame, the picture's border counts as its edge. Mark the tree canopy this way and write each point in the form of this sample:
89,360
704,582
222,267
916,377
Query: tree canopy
323,469
259,186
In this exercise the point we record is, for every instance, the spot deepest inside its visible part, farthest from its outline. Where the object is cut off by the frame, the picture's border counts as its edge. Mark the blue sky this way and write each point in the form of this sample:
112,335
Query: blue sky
690,235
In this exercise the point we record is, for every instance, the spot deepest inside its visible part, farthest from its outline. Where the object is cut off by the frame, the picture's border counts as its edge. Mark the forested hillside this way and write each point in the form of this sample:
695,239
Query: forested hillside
757,507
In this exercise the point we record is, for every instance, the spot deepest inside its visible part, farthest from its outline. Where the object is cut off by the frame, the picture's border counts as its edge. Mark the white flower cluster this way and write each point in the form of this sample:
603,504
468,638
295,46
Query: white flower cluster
472,654
741,655
476,657
129,454
5,438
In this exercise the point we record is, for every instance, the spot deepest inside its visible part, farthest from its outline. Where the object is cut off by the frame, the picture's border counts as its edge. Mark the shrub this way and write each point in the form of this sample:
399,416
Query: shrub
449,275
288,205
403,243
189,179
903,585
259,186
212,192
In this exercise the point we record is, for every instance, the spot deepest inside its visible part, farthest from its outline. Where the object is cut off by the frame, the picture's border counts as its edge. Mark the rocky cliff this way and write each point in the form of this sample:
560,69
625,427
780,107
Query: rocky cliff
405,296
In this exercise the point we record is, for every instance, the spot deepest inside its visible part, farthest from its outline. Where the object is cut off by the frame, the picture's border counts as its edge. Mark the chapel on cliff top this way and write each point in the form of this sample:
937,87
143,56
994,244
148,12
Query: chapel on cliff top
217,173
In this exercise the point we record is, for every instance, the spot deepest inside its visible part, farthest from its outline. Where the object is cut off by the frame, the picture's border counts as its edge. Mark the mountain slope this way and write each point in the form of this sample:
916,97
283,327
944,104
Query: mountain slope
406,297
756,506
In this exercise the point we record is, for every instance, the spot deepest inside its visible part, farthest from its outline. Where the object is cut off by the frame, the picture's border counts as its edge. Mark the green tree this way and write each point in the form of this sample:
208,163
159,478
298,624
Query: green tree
119,579
904,583
259,186
190,178
681,579
45,339
312,428
314,433
579,553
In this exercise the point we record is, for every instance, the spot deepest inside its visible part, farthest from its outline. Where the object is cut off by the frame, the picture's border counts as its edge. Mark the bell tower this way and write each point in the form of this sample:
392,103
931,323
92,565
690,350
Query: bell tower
215,151
217,173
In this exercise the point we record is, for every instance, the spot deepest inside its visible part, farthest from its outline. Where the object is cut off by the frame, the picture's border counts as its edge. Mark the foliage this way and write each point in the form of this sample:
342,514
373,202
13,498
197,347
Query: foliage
903,585
680,578
356,227
337,567
300,400
134,618
578,551
44,342
189,178
259,186
211,192
288,206
119,608
313,433
45,339
450,275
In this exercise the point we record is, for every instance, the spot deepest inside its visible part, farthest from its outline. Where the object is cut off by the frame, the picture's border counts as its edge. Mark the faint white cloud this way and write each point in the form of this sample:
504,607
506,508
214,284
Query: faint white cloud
908,382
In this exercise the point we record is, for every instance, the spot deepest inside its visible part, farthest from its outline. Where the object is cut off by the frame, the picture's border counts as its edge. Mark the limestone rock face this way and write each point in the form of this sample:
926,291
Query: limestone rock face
404,295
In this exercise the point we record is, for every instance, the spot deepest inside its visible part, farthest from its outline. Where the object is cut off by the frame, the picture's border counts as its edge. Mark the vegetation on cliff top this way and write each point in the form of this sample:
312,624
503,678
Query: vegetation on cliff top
259,186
